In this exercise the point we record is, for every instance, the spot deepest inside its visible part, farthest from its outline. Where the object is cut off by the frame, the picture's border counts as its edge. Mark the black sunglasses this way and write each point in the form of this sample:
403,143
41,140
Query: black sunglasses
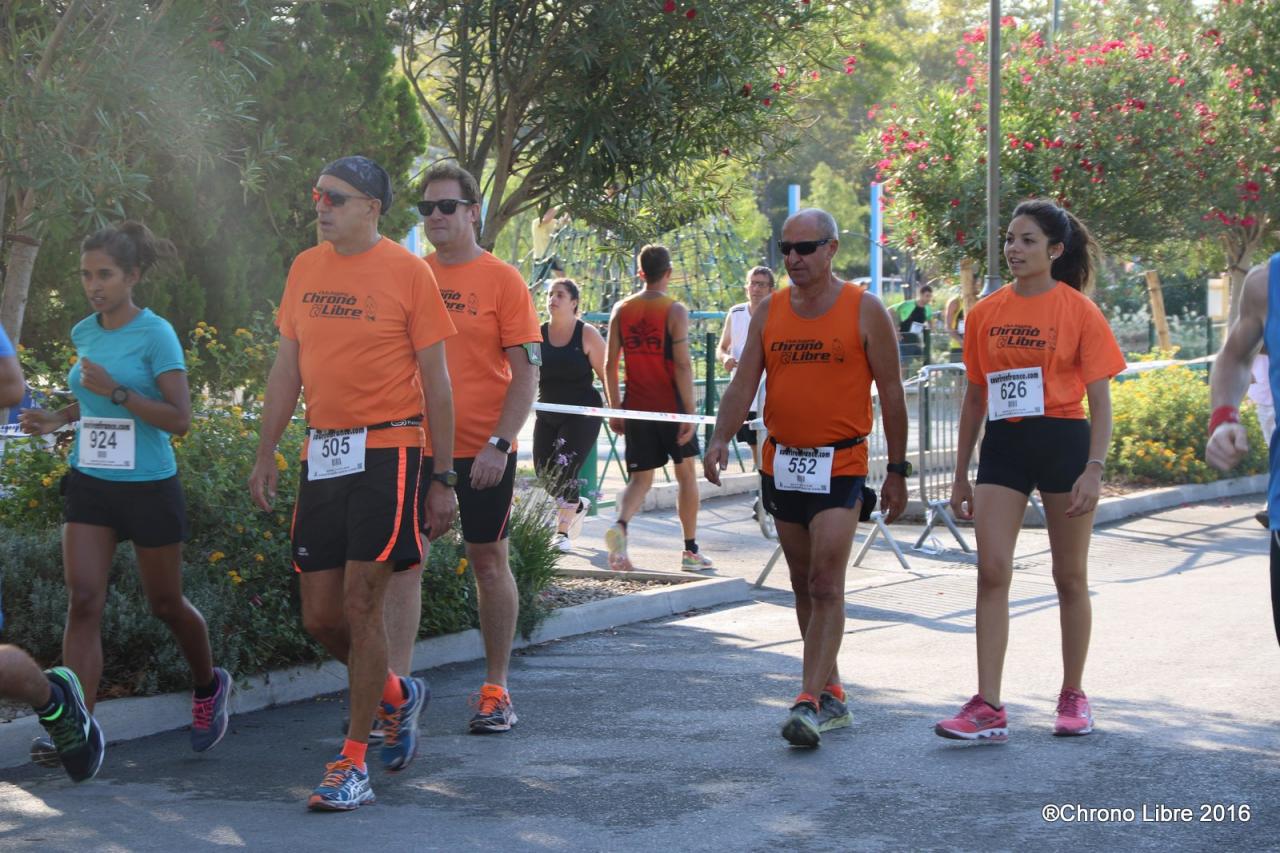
447,206
803,247
333,198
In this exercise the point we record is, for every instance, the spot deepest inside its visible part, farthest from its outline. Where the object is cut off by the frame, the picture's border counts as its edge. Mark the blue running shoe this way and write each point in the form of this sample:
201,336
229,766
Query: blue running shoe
345,787
210,717
400,725
801,728
833,713
74,732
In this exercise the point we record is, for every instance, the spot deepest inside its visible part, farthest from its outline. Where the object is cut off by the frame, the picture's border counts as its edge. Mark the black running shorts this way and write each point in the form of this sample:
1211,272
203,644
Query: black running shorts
371,516
801,507
1044,453
746,433
485,512
153,514
651,443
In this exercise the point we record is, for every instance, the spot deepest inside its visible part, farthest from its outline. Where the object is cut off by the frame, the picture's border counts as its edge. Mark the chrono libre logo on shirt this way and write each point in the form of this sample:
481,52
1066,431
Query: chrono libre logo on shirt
807,351
328,303
453,300
1024,337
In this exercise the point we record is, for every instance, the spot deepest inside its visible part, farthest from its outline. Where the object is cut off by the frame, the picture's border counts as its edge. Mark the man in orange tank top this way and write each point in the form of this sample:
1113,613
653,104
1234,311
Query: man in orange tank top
650,331
820,343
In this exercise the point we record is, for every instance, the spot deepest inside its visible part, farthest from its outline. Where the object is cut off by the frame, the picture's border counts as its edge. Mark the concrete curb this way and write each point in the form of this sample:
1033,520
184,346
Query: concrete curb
1154,500
137,717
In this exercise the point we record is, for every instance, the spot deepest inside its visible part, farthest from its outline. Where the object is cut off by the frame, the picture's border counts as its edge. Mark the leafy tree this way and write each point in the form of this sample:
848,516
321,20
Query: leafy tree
628,113
82,83
1126,122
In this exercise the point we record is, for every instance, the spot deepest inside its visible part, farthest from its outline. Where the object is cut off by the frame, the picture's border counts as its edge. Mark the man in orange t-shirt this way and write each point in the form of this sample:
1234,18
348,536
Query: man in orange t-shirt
493,364
362,329
820,345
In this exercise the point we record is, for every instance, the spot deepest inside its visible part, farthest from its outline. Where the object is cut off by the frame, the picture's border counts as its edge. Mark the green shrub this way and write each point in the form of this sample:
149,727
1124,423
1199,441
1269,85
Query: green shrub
1158,433
237,567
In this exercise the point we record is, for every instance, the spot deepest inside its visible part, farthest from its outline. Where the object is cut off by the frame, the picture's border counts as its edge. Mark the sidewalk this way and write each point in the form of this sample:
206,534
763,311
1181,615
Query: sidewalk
664,735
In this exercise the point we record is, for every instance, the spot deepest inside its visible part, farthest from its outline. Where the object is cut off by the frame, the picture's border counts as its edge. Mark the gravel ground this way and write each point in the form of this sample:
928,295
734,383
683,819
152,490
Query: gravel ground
566,592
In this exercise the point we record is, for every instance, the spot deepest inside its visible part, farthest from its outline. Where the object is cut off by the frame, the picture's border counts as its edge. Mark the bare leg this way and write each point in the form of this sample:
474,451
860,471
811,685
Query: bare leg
633,495
687,500
364,592
87,550
997,520
403,612
161,572
1069,544
21,679
499,605
322,611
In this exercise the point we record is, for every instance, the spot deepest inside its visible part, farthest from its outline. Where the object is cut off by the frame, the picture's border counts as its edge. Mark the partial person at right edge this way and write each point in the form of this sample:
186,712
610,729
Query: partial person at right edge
820,344
1228,442
54,695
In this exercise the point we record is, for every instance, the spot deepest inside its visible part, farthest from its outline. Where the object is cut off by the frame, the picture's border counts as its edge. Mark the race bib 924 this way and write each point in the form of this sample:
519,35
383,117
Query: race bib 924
107,443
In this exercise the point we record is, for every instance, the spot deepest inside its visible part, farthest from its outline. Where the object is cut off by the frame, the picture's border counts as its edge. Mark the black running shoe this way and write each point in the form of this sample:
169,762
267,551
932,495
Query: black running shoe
75,733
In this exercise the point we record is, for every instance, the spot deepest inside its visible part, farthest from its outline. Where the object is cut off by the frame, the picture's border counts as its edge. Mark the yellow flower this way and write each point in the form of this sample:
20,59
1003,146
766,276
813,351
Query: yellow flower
198,333
237,411
47,481
243,333
266,534
282,464
235,577
202,324
33,503
239,528
73,359
259,558
462,565
216,556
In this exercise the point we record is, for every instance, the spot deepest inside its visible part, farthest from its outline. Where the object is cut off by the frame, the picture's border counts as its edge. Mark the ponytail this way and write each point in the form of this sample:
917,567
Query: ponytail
131,245
1075,266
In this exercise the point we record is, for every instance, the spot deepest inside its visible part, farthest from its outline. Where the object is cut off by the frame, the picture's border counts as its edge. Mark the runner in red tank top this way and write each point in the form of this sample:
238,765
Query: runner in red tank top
820,343
650,331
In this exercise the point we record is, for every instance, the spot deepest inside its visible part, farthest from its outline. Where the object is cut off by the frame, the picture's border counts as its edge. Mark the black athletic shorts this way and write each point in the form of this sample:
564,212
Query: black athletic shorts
801,507
651,443
746,433
370,516
484,513
1044,453
153,513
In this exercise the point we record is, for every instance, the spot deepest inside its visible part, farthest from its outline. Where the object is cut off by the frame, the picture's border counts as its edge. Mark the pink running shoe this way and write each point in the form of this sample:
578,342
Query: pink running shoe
976,721
1075,717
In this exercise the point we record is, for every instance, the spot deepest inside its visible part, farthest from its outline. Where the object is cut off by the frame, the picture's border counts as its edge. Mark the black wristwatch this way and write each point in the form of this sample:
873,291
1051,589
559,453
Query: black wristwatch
119,395
903,468
448,478
500,443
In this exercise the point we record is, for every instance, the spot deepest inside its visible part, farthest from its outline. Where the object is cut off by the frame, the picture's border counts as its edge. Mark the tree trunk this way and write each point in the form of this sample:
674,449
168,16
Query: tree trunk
1238,245
968,284
1158,316
23,249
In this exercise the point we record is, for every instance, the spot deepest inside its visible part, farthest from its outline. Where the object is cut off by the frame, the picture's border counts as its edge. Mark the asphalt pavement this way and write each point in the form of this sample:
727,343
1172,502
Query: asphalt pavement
664,735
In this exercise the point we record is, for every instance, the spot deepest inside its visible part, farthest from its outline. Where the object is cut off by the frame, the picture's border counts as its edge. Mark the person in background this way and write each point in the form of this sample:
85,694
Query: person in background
572,356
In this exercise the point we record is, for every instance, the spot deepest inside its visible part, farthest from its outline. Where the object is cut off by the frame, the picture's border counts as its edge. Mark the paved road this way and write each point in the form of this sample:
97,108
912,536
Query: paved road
663,735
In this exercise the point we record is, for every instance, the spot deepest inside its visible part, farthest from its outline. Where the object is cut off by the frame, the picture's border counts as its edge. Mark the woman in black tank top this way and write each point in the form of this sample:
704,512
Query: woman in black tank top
572,352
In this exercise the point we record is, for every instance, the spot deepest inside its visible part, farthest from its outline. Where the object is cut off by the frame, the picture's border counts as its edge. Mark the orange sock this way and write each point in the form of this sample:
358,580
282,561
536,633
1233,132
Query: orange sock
806,697
355,751
392,690
835,690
